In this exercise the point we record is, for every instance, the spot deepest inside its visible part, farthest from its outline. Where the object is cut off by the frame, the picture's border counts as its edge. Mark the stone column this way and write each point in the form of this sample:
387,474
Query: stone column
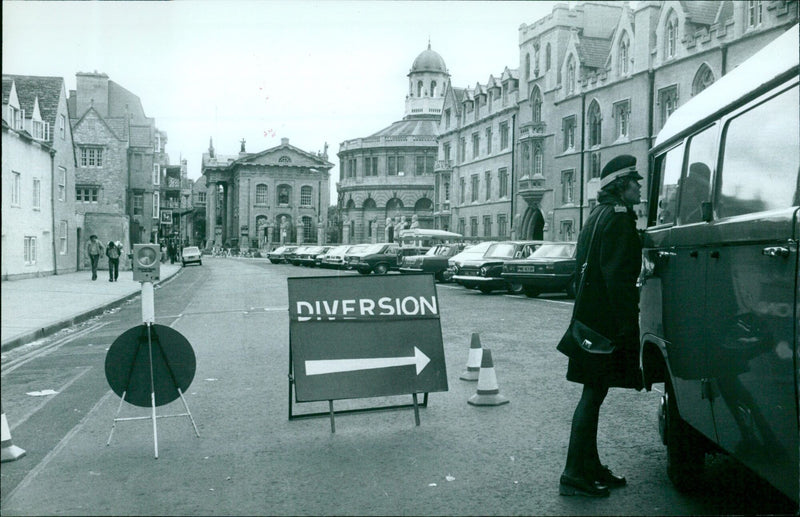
300,235
269,229
346,232
373,225
211,214
232,232
321,233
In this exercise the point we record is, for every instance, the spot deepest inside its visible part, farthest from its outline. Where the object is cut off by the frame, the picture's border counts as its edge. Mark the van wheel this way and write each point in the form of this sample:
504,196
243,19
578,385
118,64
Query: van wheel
381,269
685,453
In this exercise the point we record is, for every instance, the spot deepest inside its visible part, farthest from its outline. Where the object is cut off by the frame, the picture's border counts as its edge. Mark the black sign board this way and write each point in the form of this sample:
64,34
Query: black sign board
356,337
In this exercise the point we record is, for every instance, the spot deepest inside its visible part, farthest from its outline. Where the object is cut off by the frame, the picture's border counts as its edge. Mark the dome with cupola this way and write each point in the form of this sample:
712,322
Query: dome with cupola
429,61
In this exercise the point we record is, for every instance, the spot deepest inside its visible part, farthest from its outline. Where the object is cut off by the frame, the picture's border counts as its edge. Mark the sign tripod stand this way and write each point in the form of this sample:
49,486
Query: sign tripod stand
165,379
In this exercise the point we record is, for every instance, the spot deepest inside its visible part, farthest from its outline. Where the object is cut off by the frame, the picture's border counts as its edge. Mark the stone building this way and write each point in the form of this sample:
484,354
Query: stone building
600,79
120,157
36,123
257,200
176,221
476,157
387,177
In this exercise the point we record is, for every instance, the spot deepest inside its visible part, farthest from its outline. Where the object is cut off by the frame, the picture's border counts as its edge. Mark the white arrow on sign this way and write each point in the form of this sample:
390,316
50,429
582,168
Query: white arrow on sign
350,365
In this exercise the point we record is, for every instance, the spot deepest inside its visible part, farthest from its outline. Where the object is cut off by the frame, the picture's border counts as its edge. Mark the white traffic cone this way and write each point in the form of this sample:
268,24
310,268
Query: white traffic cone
488,393
474,359
10,451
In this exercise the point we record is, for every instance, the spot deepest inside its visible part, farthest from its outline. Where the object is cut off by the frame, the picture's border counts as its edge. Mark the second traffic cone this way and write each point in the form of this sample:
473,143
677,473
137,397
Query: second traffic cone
10,451
488,393
474,359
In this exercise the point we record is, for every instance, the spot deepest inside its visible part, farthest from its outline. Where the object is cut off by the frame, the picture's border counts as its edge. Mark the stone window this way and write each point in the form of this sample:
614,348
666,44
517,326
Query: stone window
671,35
504,135
487,225
489,140
62,237
623,54
305,195
138,204
567,187
473,226
668,102
753,13
309,235
37,194
570,75
284,159
502,179
622,117
536,106
62,183
475,185
462,188
156,174
156,205
594,165
29,255
502,225
594,124
568,129
488,181
537,160
262,194
476,143
702,79
86,194
91,156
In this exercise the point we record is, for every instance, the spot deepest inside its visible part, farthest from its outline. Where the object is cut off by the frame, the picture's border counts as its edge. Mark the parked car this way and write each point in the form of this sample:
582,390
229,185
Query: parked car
191,254
334,257
719,282
278,255
290,257
354,250
379,258
318,257
307,255
486,273
471,252
435,261
551,268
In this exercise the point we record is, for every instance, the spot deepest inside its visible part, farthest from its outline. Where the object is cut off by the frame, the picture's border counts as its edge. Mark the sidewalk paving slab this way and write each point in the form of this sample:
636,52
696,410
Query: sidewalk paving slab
33,308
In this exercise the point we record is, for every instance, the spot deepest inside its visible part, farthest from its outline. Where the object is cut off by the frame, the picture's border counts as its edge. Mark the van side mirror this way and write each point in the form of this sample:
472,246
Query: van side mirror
706,210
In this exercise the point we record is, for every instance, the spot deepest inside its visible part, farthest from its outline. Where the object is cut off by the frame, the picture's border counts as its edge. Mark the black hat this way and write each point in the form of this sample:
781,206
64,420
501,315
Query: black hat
619,167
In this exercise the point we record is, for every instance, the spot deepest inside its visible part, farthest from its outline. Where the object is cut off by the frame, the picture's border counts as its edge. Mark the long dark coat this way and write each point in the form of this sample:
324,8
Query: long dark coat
609,302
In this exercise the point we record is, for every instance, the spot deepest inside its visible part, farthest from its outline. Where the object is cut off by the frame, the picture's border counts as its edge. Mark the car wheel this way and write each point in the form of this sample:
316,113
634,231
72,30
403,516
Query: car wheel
381,269
446,276
685,453
530,292
571,288
485,289
515,288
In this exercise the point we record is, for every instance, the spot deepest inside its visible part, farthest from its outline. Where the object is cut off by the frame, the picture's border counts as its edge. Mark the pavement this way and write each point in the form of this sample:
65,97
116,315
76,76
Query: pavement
34,308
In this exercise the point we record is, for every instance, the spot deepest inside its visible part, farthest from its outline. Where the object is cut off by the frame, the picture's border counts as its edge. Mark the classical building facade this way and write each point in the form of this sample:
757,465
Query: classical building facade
40,227
259,200
388,177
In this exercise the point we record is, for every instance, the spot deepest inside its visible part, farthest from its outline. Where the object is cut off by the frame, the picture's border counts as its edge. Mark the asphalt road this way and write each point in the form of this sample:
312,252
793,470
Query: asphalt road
252,460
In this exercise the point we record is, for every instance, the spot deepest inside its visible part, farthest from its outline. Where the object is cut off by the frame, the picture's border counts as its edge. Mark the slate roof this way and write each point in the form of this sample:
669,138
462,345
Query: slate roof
411,127
593,52
701,11
48,89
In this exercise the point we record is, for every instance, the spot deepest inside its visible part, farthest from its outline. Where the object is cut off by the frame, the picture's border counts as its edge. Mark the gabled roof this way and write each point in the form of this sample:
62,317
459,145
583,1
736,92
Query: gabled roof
7,81
458,94
701,11
593,52
102,120
282,150
120,100
29,87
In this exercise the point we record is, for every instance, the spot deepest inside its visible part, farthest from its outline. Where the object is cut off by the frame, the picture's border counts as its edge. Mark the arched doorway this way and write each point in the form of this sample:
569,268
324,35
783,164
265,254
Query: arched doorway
533,224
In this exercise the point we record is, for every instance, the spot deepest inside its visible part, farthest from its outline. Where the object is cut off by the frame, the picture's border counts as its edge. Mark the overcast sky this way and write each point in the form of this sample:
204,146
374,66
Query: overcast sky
313,72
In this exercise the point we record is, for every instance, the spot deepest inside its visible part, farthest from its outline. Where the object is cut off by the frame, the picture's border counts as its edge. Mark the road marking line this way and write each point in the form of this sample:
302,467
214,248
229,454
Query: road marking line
28,479
30,356
48,399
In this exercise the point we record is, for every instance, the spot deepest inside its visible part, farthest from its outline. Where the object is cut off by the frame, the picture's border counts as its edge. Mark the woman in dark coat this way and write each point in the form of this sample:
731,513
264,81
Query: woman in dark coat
609,304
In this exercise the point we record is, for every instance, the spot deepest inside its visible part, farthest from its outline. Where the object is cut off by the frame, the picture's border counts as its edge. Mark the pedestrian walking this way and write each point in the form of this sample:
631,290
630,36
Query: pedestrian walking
113,253
171,251
608,303
94,248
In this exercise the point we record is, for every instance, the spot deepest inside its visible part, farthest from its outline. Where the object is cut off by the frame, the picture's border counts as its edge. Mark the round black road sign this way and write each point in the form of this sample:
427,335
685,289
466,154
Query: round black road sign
128,364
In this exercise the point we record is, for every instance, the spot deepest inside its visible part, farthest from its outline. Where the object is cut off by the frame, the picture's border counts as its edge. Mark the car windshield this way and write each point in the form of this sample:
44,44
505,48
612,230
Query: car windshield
501,250
554,251
373,248
437,250
359,248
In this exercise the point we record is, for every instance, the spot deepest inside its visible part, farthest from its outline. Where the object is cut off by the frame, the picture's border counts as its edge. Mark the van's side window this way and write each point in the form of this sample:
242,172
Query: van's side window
761,158
696,186
668,171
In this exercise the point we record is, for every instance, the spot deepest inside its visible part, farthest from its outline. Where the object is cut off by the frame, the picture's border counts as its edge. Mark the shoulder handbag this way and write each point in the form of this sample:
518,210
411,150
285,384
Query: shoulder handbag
579,337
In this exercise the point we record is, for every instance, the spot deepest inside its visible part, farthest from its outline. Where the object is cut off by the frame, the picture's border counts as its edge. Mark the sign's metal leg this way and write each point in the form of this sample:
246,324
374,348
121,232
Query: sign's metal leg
189,413
114,423
155,428
416,409
333,424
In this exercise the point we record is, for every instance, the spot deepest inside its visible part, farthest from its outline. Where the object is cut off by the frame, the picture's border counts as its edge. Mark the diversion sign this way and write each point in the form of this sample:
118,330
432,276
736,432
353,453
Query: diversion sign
356,337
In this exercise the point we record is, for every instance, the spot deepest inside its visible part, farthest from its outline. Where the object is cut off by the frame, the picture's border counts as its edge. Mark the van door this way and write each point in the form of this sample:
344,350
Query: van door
752,288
